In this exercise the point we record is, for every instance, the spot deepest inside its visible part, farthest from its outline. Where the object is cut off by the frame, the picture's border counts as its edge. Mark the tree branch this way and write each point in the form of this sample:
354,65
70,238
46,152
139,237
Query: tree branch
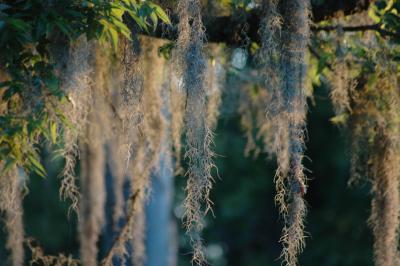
241,27
373,27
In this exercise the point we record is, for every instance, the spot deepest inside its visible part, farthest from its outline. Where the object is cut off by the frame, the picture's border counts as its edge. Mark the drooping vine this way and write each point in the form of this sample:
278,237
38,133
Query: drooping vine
177,108
148,146
97,131
250,101
126,99
342,83
253,99
192,64
375,125
270,58
93,194
215,80
76,85
286,74
11,206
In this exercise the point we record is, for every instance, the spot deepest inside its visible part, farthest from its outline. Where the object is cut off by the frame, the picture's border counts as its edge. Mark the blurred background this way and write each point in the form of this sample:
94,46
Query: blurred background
246,226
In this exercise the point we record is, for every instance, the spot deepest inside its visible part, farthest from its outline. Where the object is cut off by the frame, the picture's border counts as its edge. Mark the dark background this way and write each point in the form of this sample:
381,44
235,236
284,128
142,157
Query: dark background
246,227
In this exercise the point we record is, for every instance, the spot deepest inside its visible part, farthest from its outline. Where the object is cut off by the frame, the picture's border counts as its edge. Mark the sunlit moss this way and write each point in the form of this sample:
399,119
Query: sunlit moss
192,68
375,125
284,62
11,205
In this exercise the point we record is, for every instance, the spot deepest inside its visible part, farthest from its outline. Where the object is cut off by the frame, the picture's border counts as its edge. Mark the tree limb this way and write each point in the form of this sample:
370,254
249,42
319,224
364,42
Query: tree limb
372,27
239,28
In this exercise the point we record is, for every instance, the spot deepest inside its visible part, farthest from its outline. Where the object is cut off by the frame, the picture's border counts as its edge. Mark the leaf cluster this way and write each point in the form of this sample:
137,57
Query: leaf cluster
31,34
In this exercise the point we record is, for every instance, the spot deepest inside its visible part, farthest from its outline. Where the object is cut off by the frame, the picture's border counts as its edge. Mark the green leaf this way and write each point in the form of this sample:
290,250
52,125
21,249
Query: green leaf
117,11
113,35
160,13
52,84
5,84
65,28
11,91
19,24
53,132
37,166
63,118
340,119
166,50
139,21
122,28
154,19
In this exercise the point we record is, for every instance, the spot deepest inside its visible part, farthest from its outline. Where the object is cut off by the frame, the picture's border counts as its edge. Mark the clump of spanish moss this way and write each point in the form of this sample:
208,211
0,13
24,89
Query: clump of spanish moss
386,199
252,119
247,86
93,193
11,206
148,139
270,30
370,105
376,152
342,85
39,257
140,179
341,81
192,64
177,109
215,78
127,93
276,114
153,124
76,85
286,74
93,160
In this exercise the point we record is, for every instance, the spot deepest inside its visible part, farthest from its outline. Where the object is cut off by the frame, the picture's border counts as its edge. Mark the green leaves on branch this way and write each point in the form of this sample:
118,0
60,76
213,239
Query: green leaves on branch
145,13
386,13
30,89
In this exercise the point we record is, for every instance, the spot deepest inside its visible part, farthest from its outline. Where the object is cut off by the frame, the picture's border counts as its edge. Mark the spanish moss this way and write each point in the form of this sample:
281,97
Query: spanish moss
11,205
77,82
93,160
148,146
177,107
215,80
376,150
286,77
192,64
341,81
39,257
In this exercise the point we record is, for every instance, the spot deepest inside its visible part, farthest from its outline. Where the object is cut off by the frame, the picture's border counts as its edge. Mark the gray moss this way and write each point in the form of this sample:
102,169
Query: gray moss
192,68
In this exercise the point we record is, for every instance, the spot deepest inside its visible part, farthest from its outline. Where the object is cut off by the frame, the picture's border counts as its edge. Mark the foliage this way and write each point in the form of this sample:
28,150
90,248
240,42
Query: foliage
30,83
365,95
387,15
